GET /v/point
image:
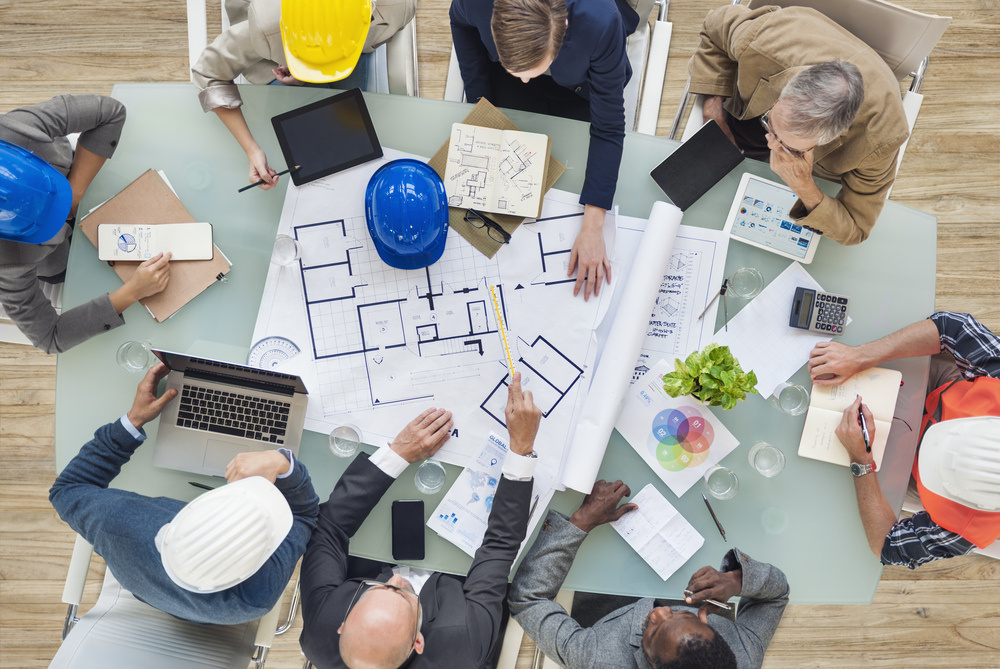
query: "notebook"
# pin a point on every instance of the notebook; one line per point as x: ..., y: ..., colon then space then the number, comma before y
x: 696, y: 165
x: 878, y: 388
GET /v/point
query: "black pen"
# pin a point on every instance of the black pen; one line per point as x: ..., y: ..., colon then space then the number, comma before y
x: 263, y: 181
x: 722, y: 292
x: 201, y: 485
x: 864, y: 429
x: 715, y: 518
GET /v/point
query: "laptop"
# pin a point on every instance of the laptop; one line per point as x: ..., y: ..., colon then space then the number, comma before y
x: 222, y: 409
x: 697, y: 165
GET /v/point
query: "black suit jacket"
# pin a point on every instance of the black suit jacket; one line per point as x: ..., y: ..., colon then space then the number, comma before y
x: 461, y: 615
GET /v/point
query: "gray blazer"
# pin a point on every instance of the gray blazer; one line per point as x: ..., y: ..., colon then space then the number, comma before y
x: 42, y: 129
x: 615, y: 641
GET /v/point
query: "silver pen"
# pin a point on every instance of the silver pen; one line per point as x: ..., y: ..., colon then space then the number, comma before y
x: 721, y: 605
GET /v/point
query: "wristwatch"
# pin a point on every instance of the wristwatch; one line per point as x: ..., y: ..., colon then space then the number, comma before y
x: 860, y: 470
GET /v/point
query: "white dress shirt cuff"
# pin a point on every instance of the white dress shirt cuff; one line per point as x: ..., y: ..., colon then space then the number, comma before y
x: 519, y: 467
x: 389, y: 461
x: 127, y: 424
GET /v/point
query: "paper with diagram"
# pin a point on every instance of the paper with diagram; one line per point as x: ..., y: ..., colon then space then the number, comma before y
x: 659, y: 533
x: 496, y: 171
x: 378, y: 345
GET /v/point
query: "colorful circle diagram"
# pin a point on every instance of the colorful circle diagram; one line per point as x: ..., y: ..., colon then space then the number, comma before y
x: 680, y: 438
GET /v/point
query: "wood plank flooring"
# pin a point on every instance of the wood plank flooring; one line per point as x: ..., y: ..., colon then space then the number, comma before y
x: 944, y: 614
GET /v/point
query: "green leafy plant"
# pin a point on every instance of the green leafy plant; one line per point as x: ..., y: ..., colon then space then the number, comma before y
x: 712, y: 375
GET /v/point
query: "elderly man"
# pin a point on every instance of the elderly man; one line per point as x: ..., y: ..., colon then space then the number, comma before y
x: 791, y: 86
x: 373, y: 616
x: 646, y: 633
x: 224, y: 558
x: 959, y: 440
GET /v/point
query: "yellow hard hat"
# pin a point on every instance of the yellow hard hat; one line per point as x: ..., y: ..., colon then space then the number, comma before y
x: 323, y: 38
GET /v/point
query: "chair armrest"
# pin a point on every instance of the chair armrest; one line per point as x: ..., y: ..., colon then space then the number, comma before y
x: 401, y: 59
x: 76, y: 577
x: 266, y: 626
x: 454, y: 89
x: 656, y: 68
x: 197, y: 30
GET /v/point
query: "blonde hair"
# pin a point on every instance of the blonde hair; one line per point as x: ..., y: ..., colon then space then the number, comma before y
x: 527, y: 32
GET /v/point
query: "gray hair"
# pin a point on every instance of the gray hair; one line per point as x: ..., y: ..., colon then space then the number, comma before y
x: 822, y: 101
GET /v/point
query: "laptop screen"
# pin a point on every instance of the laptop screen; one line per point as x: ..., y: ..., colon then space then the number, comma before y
x: 233, y: 374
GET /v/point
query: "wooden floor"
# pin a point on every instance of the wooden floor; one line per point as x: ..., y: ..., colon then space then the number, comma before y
x: 945, y: 614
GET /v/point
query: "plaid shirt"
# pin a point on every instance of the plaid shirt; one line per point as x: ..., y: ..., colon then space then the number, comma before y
x: 914, y: 541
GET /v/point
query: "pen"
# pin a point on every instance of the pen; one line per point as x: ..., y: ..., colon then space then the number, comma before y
x: 715, y: 518
x: 864, y: 429
x: 721, y: 605
x: 201, y: 485
x: 725, y: 311
x: 262, y: 181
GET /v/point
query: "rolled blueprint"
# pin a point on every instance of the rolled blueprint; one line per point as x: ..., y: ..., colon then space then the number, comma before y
x: 610, y: 384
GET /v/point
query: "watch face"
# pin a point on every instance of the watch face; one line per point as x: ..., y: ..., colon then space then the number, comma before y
x: 857, y: 469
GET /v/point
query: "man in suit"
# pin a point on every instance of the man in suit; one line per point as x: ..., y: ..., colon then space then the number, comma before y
x: 646, y: 633
x: 793, y: 87
x: 363, y: 614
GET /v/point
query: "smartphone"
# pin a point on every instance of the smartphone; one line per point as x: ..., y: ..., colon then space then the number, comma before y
x: 408, y: 529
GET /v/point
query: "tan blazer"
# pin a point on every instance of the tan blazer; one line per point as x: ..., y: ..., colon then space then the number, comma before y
x: 749, y: 56
x: 252, y: 46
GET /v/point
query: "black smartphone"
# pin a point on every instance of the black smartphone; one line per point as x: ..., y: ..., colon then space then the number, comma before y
x: 408, y: 529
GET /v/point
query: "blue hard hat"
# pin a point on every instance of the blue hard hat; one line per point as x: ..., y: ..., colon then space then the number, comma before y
x: 35, y: 198
x: 407, y: 214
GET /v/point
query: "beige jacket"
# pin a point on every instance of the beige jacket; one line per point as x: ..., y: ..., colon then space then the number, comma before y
x: 252, y: 46
x: 749, y: 56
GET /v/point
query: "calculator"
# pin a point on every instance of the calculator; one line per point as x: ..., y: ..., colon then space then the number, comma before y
x: 818, y: 311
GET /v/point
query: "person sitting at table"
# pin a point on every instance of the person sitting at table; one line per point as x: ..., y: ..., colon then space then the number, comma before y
x: 368, y: 614
x: 223, y: 558
x: 290, y: 42
x: 647, y: 633
x: 793, y: 87
x: 565, y: 58
x: 44, y: 180
x: 962, y: 506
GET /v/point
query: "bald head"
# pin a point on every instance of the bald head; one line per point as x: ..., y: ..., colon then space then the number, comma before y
x: 379, y: 631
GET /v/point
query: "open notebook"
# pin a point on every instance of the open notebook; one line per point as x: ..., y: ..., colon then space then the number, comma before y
x: 878, y: 388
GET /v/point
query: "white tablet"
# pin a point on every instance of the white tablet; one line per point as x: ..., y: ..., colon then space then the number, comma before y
x: 759, y: 217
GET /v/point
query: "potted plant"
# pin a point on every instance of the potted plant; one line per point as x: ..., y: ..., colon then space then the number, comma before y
x: 711, y: 375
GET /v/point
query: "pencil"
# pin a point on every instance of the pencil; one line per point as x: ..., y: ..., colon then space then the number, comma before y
x: 262, y: 181
x: 503, y: 333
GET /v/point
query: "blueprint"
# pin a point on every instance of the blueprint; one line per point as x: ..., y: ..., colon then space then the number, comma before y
x: 497, y: 171
x: 379, y: 345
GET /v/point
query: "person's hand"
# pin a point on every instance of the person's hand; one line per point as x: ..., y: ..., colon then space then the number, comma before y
x: 151, y: 276
x: 601, y: 505
x: 831, y: 363
x: 849, y: 433
x: 259, y: 169
x: 710, y: 583
x: 589, y: 257
x: 522, y: 417
x: 795, y: 172
x: 269, y: 464
x: 424, y: 435
x: 711, y: 109
x: 146, y: 406
x: 284, y: 76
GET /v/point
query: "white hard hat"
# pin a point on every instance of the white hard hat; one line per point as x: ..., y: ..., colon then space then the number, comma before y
x: 221, y: 538
x: 960, y: 460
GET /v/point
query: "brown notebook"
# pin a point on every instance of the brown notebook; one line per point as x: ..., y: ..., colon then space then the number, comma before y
x: 486, y: 115
x: 149, y: 201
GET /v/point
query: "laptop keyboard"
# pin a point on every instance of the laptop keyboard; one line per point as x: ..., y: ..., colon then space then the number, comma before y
x: 234, y: 414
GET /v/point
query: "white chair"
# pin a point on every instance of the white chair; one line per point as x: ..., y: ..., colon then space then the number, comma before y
x: 394, y: 64
x: 121, y: 631
x: 647, y: 51
x: 902, y: 37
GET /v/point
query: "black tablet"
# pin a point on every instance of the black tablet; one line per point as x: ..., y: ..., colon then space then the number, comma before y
x: 327, y: 136
x: 697, y: 165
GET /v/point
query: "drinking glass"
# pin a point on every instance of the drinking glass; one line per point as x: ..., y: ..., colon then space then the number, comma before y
x: 791, y: 398
x: 767, y: 460
x: 286, y: 250
x: 746, y: 282
x: 721, y: 482
x: 134, y: 356
x: 345, y: 441
x: 430, y: 476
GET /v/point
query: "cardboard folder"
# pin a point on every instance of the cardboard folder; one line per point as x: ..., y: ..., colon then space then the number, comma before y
x: 149, y: 201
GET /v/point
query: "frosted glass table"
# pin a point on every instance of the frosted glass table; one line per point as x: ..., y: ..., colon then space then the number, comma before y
x: 804, y: 521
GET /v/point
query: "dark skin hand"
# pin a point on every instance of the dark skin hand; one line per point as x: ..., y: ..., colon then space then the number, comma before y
x: 710, y: 583
x: 601, y: 505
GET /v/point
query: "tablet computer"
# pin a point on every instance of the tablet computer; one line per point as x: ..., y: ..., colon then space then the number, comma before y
x: 759, y: 217
x: 697, y: 165
x: 327, y: 136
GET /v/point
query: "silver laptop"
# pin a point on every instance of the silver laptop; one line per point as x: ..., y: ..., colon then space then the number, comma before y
x: 222, y: 409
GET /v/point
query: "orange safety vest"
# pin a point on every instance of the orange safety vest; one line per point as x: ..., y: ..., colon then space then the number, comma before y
x: 963, y: 398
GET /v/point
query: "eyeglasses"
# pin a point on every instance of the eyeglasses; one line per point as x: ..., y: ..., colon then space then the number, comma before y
x: 765, y: 120
x: 365, y: 586
x: 493, y: 229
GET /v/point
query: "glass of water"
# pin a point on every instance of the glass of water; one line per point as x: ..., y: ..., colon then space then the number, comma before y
x: 430, y: 476
x: 767, y: 460
x: 345, y: 440
x: 722, y: 482
x: 746, y: 282
x: 286, y: 250
x: 791, y: 398
x: 135, y: 356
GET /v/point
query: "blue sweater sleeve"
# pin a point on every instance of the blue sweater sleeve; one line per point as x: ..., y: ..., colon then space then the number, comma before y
x: 473, y: 55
